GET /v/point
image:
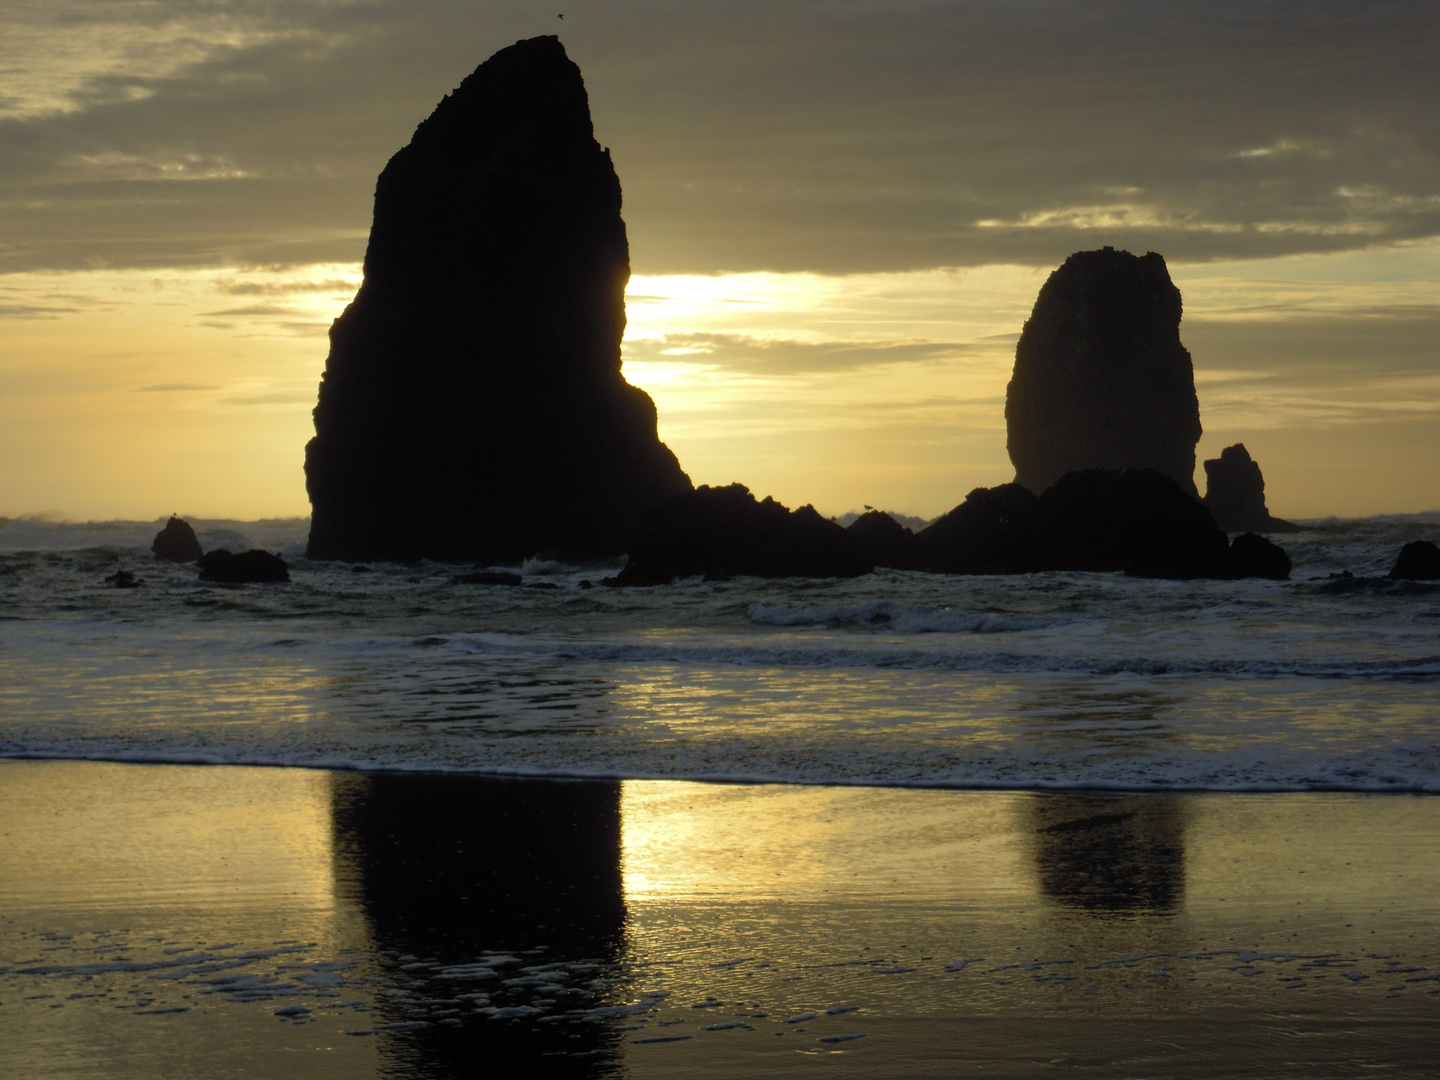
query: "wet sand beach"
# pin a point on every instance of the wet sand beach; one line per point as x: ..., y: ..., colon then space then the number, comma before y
x: 222, y: 921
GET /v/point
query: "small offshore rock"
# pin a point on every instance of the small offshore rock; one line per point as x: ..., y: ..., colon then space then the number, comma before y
x: 1419, y: 560
x: 1251, y: 555
x: 487, y: 577
x: 541, y: 585
x: 124, y: 579
x: 246, y: 568
x: 177, y: 542
x: 1235, y: 494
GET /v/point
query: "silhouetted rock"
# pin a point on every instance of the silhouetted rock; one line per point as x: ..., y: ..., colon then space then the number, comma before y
x: 176, y: 542
x: 723, y: 532
x: 884, y: 541
x: 1251, y: 555
x: 472, y: 407
x: 1235, y: 494
x: 124, y: 579
x: 991, y: 532
x: 1135, y: 520
x: 1419, y: 560
x: 249, y: 566
x: 1101, y: 379
x: 487, y: 577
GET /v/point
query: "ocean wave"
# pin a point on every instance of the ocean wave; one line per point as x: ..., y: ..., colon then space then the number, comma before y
x: 1392, y: 770
x: 903, y: 618
x: 808, y: 654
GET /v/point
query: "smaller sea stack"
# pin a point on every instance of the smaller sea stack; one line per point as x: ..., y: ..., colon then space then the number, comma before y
x: 1235, y: 494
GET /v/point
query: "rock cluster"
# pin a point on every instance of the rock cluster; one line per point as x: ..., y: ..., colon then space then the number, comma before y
x: 473, y: 407
x: 1101, y: 379
x: 1132, y: 520
x: 1135, y: 520
x: 722, y: 532
x: 177, y: 542
x: 1235, y: 494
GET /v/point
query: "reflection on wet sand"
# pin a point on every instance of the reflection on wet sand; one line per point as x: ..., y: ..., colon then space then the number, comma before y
x: 1110, y: 853
x: 181, y: 921
x: 458, y: 875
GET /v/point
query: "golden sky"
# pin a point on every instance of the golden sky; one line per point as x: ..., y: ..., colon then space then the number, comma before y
x: 839, y: 218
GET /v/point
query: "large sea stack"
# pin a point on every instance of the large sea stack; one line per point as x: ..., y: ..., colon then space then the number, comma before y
x: 472, y: 406
x: 1235, y: 494
x: 1101, y: 379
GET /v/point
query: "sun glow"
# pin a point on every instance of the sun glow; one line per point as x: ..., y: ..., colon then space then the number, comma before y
x: 137, y: 393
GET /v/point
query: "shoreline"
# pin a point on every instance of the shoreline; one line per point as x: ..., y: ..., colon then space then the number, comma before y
x: 482, y: 773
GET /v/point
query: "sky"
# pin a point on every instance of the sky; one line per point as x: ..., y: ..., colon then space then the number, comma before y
x: 839, y: 214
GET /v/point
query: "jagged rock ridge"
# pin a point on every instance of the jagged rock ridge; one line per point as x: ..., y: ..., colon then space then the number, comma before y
x: 1101, y: 380
x: 724, y: 532
x: 1235, y: 494
x: 473, y: 406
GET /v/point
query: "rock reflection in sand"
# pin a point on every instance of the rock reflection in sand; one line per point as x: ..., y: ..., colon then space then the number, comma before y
x: 1108, y: 853
x: 163, y: 920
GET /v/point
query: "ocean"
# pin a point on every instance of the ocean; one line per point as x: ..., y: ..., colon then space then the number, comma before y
x: 374, y: 823
x: 1047, y: 681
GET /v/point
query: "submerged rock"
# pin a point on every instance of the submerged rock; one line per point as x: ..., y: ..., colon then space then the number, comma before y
x: 1418, y: 560
x: 884, y: 541
x: 991, y: 532
x: 487, y: 577
x: 473, y: 407
x: 177, y: 542
x: 249, y: 566
x: 124, y: 579
x: 1235, y: 494
x: 723, y: 532
x: 1101, y: 380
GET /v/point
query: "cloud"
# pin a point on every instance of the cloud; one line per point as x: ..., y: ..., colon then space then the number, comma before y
x: 254, y: 309
x: 767, y: 356
x: 288, y: 288
x: 835, y: 137
x: 33, y: 311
